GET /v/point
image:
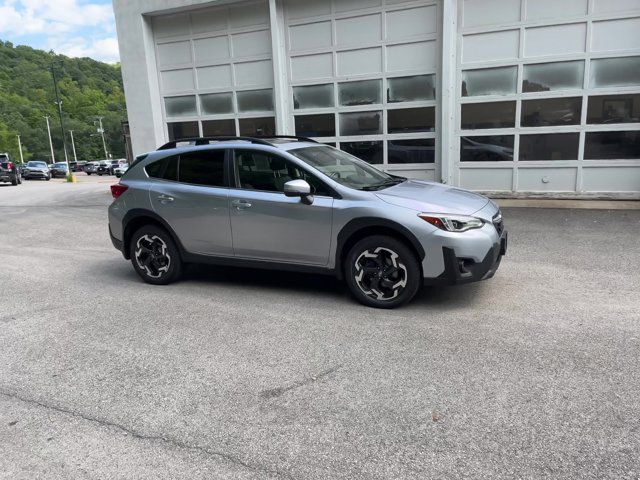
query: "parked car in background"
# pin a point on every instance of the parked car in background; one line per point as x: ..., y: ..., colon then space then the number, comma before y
x: 294, y: 204
x: 104, y: 167
x: 77, y: 166
x: 91, y: 167
x: 59, y: 170
x: 36, y: 169
x: 9, y: 171
x: 120, y: 169
x: 115, y: 164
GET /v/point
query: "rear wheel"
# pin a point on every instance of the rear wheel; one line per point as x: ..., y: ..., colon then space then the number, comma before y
x: 155, y: 256
x: 382, y: 272
x: 14, y: 180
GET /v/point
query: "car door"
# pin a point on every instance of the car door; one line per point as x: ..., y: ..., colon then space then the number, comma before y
x: 192, y: 196
x: 268, y: 225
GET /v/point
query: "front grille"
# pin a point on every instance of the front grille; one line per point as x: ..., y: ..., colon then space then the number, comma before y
x: 497, y: 222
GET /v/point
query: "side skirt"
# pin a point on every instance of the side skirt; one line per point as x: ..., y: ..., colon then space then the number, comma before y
x: 258, y: 264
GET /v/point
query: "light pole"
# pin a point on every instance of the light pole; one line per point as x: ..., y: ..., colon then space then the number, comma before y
x: 101, y: 132
x: 53, y: 157
x: 73, y: 146
x: 20, y: 148
x: 64, y: 140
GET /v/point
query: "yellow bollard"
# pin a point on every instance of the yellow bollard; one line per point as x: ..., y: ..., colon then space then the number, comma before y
x: 71, y: 178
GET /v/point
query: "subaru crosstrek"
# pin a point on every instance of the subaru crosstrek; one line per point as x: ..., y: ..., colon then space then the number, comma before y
x: 289, y: 203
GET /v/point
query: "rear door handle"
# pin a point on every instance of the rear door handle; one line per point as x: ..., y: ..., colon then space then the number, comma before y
x: 164, y: 199
x: 240, y: 204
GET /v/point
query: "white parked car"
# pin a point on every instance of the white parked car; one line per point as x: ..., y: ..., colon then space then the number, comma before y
x: 120, y: 169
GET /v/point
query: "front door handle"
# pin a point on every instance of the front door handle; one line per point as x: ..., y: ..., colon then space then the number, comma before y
x: 164, y: 199
x: 240, y: 204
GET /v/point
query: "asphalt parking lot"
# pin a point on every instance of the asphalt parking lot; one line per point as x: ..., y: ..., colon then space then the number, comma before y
x: 248, y: 374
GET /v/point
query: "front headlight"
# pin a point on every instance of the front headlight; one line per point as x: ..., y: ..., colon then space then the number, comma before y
x: 452, y: 223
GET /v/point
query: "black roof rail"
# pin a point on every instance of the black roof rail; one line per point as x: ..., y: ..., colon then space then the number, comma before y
x: 300, y: 139
x: 208, y: 140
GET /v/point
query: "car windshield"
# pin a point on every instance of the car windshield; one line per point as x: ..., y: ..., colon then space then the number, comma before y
x: 36, y: 164
x: 345, y: 169
x: 58, y: 165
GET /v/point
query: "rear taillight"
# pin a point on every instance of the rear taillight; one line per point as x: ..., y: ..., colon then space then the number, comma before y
x: 118, y: 189
x: 10, y: 166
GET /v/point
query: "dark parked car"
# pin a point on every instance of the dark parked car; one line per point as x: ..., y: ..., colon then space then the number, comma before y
x: 36, y: 169
x: 104, y: 168
x: 8, y: 170
x: 59, y: 170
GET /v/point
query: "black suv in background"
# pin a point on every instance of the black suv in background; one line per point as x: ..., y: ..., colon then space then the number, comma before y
x: 9, y: 170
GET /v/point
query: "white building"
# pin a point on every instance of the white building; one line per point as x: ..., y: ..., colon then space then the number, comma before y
x: 513, y: 97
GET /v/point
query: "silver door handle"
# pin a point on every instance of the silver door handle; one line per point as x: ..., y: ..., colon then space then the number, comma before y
x: 241, y: 204
x: 165, y: 199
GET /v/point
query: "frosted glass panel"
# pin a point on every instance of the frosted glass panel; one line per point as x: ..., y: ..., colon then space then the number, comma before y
x: 313, y: 96
x: 366, y: 92
x: 489, y: 81
x: 411, y: 89
x: 255, y: 100
x: 615, y: 72
x: 180, y: 106
x: 543, y: 77
x: 216, y: 103
x: 361, y: 123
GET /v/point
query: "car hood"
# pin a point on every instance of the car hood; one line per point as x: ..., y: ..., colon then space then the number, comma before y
x: 430, y: 197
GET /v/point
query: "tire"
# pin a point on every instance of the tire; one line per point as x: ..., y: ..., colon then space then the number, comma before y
x: 47, y: 178
x: 14, y: 181
x: 154, y: 255
x: 89, y: 173
x: 382, y: 272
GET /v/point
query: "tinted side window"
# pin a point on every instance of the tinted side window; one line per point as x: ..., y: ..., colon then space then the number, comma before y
x: 154, y: 170
x: 265, y: 172
x: 204, y: 167
x: 166, y: 169
x: 171, y: 169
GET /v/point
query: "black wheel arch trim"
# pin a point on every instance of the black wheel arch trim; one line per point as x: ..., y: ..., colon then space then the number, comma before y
x: 138, y: 213
x: 357, y: 224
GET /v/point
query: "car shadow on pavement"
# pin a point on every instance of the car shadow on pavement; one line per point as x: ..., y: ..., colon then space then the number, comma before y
x: 440, y: 298
x: 275, y: 279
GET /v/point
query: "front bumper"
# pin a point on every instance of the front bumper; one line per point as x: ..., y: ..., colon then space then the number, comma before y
x: 36, y: 174
x: 459, y: 270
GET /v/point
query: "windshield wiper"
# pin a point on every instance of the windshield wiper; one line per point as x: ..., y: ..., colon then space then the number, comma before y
x: 387, y: 183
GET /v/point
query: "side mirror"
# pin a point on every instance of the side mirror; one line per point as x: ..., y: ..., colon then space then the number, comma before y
x: 299, y: 188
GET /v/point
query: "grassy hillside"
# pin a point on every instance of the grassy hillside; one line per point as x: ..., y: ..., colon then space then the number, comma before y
x: 88, y: 89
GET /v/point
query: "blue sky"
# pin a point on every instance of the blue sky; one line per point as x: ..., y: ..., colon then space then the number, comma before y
x: 77, y: 28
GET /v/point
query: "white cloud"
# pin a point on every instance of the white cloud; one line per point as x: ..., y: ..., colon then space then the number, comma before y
x: 75, y: 28
x: 104, y: 49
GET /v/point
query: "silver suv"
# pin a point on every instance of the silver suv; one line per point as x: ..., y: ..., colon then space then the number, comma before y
x: 290, y: 203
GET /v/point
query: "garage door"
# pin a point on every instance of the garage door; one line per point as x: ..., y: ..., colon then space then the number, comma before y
x: 549, y: 96
x: 215, y: 71
x: 363, y: 76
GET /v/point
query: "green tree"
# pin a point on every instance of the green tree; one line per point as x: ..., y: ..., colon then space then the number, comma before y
x: 88, y: 89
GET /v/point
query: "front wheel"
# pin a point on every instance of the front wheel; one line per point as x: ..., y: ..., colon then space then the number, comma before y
x: 382, y: 272
x: 155, y: 256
